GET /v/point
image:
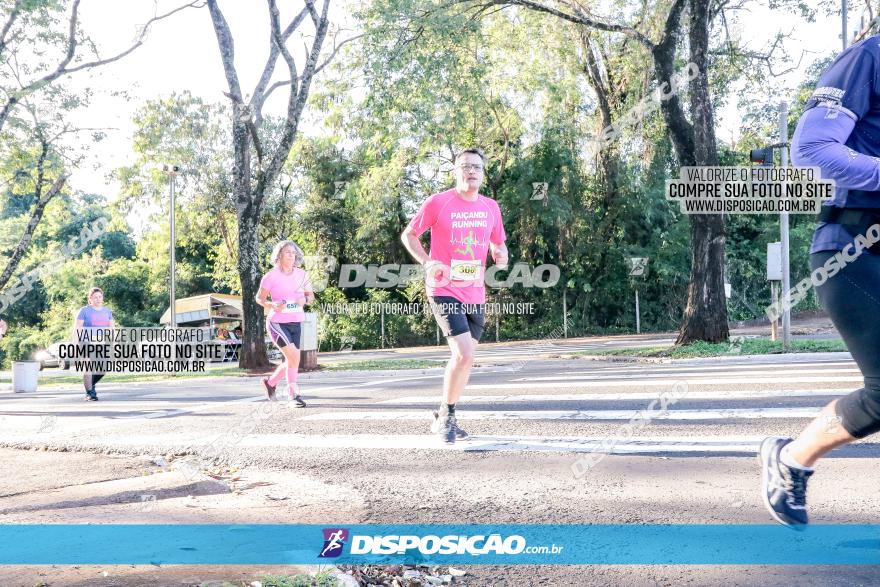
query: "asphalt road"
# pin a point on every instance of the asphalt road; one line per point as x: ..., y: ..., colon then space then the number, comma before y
x: 361, y: 453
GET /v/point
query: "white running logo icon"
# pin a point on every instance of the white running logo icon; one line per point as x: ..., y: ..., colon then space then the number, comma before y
x: 335, y: 541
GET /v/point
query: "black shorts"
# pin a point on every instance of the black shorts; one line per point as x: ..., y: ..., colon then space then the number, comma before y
x: 455, y: 317
x: 284, y: 333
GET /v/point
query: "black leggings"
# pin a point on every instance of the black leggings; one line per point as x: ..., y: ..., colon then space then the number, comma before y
x: 91, y: 379
x: 852, y: 299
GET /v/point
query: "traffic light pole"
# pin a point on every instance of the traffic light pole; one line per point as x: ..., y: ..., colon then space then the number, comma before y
x: 783, y: 229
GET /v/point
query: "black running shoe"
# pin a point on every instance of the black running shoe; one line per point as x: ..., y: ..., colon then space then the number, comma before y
x: 459, y: 433
x: 298, y: 401
x: 444, y: 427
x: 783, y: 488
x: 270, y: 389
x: 91, y: 396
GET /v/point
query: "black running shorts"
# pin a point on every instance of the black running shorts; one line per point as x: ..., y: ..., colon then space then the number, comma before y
x: 454, y: 317
x: 284, y: 333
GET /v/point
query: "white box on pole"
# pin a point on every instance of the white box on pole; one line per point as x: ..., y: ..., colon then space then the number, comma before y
x: 774, y: 261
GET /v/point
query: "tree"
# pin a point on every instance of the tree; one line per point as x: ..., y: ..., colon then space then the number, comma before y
x: 29, y: 36
x: 46, y: 182
x: 258, y: 158
x: 186, y: 131
x: 705, y: 315
x: 28, y: 25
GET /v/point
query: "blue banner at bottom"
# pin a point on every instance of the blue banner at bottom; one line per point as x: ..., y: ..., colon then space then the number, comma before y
x: 458, y: 544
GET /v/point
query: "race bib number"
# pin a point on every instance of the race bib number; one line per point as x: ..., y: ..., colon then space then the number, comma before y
x: 465, y: 270
x: 291, y: 307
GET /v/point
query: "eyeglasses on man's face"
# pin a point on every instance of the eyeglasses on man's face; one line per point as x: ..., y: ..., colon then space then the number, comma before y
x: 470, y: 167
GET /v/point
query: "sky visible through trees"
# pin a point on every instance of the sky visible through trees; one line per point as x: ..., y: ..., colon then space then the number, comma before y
x: 393, y: 89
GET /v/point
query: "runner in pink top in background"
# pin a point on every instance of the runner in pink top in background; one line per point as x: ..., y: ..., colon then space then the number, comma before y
x: 465, y: 226
x: 289, y: 288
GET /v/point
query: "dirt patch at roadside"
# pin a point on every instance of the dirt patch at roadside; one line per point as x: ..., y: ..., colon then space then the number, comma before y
x: 82, y: 488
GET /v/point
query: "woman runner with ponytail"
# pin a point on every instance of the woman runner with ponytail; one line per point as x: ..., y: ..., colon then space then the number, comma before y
x: 289, y: 288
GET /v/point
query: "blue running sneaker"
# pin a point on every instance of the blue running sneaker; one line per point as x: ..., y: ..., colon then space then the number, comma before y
x: 444, y: 427
x: 783, y: 488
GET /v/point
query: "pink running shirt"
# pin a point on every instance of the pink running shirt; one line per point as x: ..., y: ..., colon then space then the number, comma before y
x: 461, y: 231
x: 290, y: 288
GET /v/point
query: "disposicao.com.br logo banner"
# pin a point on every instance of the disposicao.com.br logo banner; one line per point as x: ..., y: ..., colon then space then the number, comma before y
x: 460, y: 544
x: 434, y: 543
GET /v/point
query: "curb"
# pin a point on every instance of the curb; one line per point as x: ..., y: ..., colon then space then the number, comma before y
x: 768, y: 358
x: 422, y: 371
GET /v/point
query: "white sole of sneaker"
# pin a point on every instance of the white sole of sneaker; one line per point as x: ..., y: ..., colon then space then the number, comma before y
x: 435, y: 425
x: 764, y: 459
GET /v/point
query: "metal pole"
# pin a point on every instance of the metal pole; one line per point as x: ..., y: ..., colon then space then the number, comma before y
x: 382, y: 319
x: 638, y: 319
x: 564, y: 314
x: 173, y: 259
x: 783, y: 229
x: 774, y: 297
x: 843, y: 17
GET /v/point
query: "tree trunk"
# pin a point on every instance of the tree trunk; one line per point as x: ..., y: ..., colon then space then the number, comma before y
x: 252, y: 182
x: 705, y: 315
x: 249, y: 206
x: 608, y: 154
x: 705, y: 312
x: 253, y: 346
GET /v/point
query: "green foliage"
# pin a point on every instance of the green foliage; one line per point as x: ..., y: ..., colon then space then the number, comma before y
x: 20, y: 344
x: 323, y: 579
x: 383, y: 364
x: 735, y: 347
x: 386, y: 122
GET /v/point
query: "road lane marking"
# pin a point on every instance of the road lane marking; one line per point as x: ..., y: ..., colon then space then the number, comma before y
x: 666, y: 381
x: 655, y: 414
x: 482, y: 443
x: 727, y: 394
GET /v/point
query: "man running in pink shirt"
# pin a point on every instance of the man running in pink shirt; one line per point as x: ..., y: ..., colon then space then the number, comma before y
x: 464, y: 227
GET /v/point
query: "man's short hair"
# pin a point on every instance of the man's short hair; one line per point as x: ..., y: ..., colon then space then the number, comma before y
x: 94, y: 289
x: 473, y: 151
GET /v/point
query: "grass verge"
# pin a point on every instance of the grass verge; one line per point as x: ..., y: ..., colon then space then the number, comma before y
x: 322, y: 579
x: 748, y: 346
x: 381, y: 364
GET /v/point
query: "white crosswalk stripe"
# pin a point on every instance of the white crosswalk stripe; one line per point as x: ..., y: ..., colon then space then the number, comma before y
x: 828, y: 368
x: 727, y: 394
x: 704, y: 414
x: 752, y: 396
x: 666, y: 381
x: 563, y: 444
x: 603, y: 376
x: 742, y: 385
